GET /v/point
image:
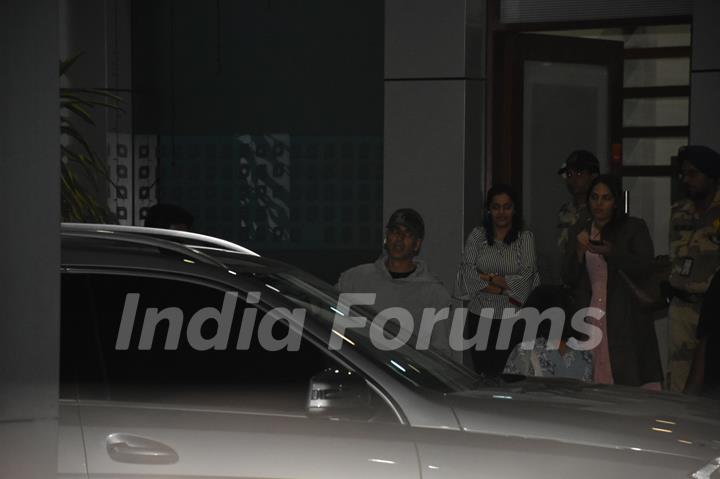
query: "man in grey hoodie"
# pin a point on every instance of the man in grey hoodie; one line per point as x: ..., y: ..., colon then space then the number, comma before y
x: 399, y: 279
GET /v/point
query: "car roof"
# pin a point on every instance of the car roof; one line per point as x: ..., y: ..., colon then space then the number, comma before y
x: 137, y: 247
x: 186, y: 238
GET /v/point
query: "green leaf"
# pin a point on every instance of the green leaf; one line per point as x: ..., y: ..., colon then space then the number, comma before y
x: 73, y: 133
x: 67, y: 63
x: 72, y: 98
x: 71, y: 155
x: 109, y: 106
x: 86, y: 165
x: 95, y: 91
x: 91, y: 165
x: 79, y: 111
x: 79, y: 203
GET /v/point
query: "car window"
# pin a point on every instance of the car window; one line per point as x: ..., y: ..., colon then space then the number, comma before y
x: 74, y: 306
x: 427, y: 369
x: 163, y: 371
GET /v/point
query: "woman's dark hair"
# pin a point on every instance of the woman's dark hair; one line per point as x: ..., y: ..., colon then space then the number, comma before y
x: 516, y: 219
x: 613, y: 184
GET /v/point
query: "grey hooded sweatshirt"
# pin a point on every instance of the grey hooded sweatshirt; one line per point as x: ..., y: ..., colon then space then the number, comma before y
x: 418, y: 291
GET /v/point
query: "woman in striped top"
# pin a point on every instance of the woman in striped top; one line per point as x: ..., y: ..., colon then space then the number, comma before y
x: 498, y: 270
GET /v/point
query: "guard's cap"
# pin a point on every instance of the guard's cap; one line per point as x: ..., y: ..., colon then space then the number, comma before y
x: 580, y: 160
x: 703, y: 158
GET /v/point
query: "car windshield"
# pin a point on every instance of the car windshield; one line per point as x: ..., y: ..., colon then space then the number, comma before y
x: 426, y: 369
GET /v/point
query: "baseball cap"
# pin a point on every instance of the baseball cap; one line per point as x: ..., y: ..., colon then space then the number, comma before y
x: 580, y: 160
x: 410, y: 219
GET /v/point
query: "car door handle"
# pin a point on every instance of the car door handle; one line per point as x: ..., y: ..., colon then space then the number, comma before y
x: 139, y: 450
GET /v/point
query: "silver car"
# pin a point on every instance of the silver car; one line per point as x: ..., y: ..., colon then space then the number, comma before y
x: 182, y: 356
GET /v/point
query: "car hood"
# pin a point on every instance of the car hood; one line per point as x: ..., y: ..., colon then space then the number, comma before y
x: 591, y: 414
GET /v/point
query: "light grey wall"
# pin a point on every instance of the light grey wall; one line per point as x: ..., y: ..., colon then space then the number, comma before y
x: 434, y: 120
x: 434, y: 39
x: 705, y: 76
x: 705, y: 35
x: 100, y: 30
x: 425, y: 38
x: 29, y: 207
x: 425, y: 156
x: 705, y: 109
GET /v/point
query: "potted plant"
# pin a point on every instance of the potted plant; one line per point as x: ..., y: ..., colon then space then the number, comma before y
x: 78, y: 203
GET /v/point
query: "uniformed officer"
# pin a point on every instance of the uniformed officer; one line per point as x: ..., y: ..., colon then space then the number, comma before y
x: 694, y: 253
x: 579, y: 170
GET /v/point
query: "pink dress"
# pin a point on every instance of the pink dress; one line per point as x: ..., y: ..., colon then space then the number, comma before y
x: 597, y: 270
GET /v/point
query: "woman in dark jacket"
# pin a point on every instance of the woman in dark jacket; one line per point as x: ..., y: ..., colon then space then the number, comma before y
x: 607, y: 253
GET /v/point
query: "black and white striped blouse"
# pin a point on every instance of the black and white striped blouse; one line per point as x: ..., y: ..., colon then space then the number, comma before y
x: 516, y: 262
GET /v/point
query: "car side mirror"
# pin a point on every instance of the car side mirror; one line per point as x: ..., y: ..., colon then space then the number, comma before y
x: 337, y: 392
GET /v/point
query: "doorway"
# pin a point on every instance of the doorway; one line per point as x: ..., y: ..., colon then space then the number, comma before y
x: 555, y: 95
x: 652, y: 122
x: 648, y: 121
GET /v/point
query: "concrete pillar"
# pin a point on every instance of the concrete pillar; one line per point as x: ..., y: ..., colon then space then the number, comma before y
x: 29, y: 208
x: 434, y: 120
x: 705, y: 75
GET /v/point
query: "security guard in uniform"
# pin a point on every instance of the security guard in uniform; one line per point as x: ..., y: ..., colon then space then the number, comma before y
x: 578, y: 171
x: 694, y: 253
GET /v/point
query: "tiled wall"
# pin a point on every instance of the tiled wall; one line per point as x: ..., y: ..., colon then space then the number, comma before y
x: 277, y: 191
x: 132, y: 163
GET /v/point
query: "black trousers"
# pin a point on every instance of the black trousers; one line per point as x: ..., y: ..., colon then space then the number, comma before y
x: 491, y: 361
